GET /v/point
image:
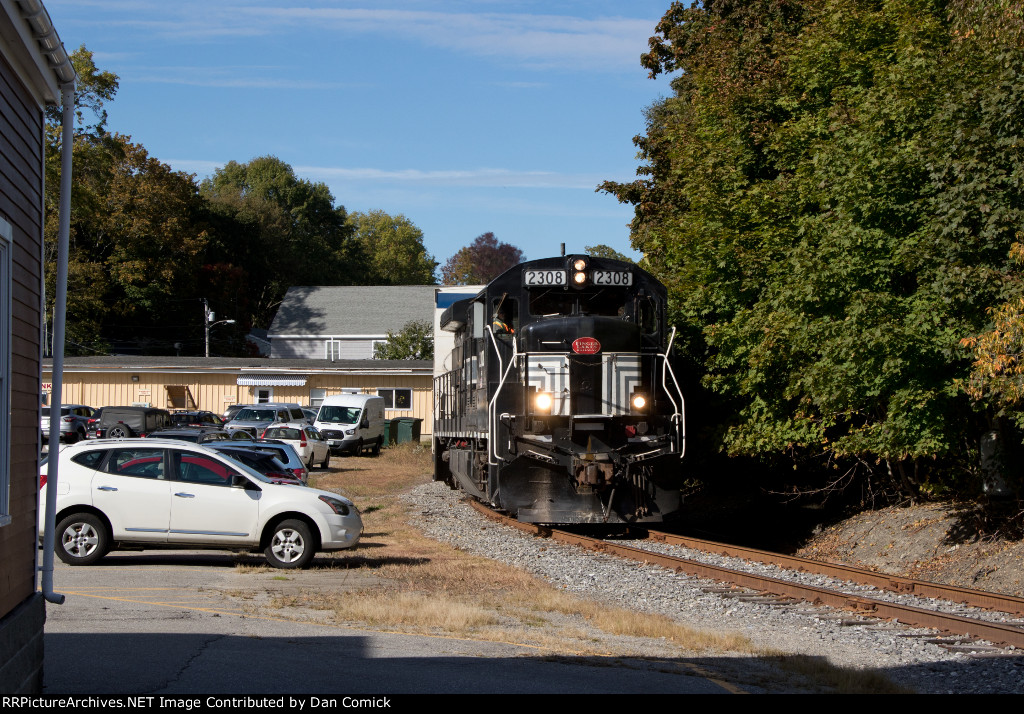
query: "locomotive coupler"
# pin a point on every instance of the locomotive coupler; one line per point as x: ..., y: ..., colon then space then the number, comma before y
x: 593, y: 470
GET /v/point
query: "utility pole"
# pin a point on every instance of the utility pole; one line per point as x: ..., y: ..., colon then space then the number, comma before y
x: 208, y: 322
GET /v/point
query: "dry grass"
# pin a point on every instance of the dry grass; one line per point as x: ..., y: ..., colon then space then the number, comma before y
x: 837, y: 679
x: 396, y: 470
x: 405, y: 581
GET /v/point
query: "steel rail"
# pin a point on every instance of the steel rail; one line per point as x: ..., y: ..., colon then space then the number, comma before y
x: 882, y: 581
x: 995, y: 632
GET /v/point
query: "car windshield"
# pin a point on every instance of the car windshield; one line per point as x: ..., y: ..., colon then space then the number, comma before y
x: 256, y: 415
x: 339, y: 415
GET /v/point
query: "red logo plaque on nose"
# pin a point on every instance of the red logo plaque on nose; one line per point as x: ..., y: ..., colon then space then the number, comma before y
x: 586, y: 346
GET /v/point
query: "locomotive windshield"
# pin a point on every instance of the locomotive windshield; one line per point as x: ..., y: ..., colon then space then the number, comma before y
x: 608, y: 302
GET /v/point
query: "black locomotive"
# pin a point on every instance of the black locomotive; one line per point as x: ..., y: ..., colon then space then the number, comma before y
x: 556, y: 401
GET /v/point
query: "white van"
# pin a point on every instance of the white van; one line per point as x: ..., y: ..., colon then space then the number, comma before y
x: 352, y: 422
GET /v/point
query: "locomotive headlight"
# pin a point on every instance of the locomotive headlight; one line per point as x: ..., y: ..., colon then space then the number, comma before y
x: 579, y: 278
x: 579, y: 265
x: 639, y: 401
x: 542, y: 402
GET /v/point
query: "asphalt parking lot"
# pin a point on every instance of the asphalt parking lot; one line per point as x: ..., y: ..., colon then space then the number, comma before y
x: 179, y: 622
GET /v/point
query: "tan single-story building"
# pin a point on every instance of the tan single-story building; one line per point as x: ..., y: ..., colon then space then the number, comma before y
x: 215, y: 383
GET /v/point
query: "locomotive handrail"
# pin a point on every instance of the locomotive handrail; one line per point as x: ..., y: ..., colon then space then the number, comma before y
x: 492, y: 416
x: 677, y: 415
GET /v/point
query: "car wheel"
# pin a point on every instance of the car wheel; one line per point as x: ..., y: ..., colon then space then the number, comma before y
x: 82, y: 539
x: 376, y: 447
x: 309, y: 464
x: 358, y: 451
x: 290, y: 546
x: 327, y: 460
x: 119, y: 431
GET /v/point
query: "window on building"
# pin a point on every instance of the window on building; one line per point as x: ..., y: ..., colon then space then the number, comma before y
x: 316, y: 396
x: 264, y: 395
x: 396, y: 398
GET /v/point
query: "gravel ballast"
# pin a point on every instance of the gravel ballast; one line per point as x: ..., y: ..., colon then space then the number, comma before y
x: 900, y: 653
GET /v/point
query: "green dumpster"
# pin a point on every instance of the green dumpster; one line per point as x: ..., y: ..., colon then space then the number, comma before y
x: 408, y: 430
x: 390, y: 429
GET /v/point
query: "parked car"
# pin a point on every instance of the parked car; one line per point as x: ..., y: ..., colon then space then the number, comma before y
x: 311, y: 447
x: 93, y: 423
x: 125, y: 422
x: 257, y: 417
x: 230, y: 412
x: 352, y: 422
x: 279, y: 450
x: 263, y: 462
x: 196, y: 418
x: 193, y: 434
x: 74, y: 422
x: 164, y: 493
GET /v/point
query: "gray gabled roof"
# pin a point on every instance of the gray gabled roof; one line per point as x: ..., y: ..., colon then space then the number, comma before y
x: 233, y: 365
x: 352, y: 309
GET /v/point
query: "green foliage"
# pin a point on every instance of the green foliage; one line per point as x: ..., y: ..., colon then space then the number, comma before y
x: 282, y: 230
x: 147, y: 245
x: 414, y: 341
x: 394, y: 248
x: 603, y: 251
x: 830, y: 195
x: 93, y: 89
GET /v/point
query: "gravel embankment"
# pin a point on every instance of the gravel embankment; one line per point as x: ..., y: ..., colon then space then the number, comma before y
x: 804, y: 629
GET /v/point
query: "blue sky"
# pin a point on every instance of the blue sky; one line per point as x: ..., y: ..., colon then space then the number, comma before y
x: 466, y: 117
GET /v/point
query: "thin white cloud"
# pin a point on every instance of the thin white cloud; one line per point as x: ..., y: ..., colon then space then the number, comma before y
x: 492, y: 178
x: 229, y: 77
x: 475, y: 178
x: 528, y: 39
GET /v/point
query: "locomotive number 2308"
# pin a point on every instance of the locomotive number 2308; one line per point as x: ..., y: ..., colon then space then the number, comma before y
x: 613, y: 277
x: 544, y: 277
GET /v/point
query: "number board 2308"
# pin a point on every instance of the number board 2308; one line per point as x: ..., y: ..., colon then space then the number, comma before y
x: 545, y: 277
x: 613, y: 277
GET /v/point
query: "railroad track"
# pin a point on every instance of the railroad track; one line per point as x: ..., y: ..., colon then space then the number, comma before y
x: 961, y: 631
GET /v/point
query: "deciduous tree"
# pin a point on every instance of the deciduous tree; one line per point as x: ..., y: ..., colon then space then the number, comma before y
x: 480, y: 262
x: 414, y: 341
x: 830, y: 194
x: 394, y: 249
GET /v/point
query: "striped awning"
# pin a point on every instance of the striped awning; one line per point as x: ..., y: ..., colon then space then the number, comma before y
x: 272, y: 380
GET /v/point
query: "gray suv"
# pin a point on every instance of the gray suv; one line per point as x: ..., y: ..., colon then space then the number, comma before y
x: 254, y: 418
x: 74, y: 422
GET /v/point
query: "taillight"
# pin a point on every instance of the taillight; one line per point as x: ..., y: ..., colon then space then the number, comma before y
x: 42, y: 481
x: 67, y: 419
x: 303, y: 442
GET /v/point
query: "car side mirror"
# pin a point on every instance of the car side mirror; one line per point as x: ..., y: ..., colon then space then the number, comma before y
x: 240, y: 481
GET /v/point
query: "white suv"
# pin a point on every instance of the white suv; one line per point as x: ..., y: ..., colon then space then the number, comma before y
x: 164, y: 493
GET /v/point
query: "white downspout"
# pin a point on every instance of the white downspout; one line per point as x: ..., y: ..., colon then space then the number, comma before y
x: 59, y: 309
x: 38, y: 20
